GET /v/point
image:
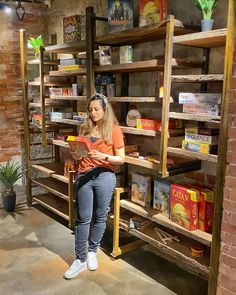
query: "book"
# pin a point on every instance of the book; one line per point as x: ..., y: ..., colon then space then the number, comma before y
x: 184, y: 206
x: 203, y: 108
x: 120, y: 15
x: 161, y: 197
x: 105, y: 55
x: 203, y: 148
x: 188, y: 97
x: 152, y: 11
x: 126, y: 54
x: 141, y: 189
x: 80, y: 145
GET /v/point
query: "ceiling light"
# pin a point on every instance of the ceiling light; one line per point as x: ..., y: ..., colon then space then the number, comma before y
x: 20, y: 11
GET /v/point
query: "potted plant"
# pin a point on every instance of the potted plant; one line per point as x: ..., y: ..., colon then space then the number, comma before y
x: 9, y: 174
x: 206, y: 7
x: 35, y: 43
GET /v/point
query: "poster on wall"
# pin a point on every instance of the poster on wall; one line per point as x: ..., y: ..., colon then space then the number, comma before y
x: 152, y: 11
x: 74, y: 28
x: 120, y: 15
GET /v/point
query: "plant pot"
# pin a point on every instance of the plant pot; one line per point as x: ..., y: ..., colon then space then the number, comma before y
x: 9, y: 202
x: 207, y: 24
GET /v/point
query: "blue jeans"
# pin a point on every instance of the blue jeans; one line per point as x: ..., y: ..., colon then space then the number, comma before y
x: 94, y: 191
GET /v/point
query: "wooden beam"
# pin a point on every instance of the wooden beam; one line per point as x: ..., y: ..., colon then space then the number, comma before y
x: 222, y: 149
x: 26, y: 116
x: 166, y: 95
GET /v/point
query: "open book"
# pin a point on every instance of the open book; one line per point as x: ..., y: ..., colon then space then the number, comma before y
x: 80, y: 145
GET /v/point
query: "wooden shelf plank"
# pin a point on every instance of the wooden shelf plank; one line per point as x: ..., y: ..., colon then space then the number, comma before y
x: 53, y: 186
x: 209, y: 39
x: 54, y: 204
x: 67, y: 48
x: 79, y: 72
x: 195, y: 117
x: 67, y: 97
x: 197, y: 78
x: 132, y: 130
x: 48, y: 103
x: 55, y: 170
x: 66, y: 121
x: 36, y: 83
x: 142, y: 163
x: 149, y: 213
x: 194, y: 155
x: 179, y: 252
x: 46, y: 62
x: 146, y: 34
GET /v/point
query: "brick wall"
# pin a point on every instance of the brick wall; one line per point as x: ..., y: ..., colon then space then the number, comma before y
x: 227, y: 268
x: 11, y: 112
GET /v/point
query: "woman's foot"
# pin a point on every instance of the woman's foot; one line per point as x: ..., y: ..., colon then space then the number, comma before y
x: 92, y: 262
x: 76, y: 268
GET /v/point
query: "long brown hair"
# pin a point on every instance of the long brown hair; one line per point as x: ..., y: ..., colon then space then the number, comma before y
x: 107, y: 122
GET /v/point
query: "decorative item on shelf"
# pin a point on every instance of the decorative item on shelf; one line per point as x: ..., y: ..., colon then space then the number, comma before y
x: 126, y: 54
x: 206, y: 7
x: 9, y: 174
x: 151, y: 12
x: 131, y: 118
x: 105, y: 55
x: 197, y: 251
x: 35, y: 43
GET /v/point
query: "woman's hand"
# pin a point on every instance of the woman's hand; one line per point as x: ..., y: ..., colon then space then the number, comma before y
x: 97, y: 155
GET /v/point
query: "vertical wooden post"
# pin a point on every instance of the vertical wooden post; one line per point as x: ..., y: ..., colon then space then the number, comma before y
x: 166, y: 95
x: 26, y: 115
x: 71, y: 199
x: 90, y: 36
x: 222, y: 149
x: 116, y: 249
x: 42, y: 95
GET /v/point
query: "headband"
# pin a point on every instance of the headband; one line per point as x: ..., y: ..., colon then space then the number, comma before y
x: 102, y: 97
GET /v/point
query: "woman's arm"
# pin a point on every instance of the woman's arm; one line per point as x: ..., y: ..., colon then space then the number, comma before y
x: 117, y: 159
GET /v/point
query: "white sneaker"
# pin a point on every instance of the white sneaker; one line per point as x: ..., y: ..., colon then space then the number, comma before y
x: 92, y: 262
x: 76, y: 268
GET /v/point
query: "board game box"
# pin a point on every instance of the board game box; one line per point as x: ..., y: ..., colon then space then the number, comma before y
x: 120, y: 15
x: 80, y: 145
x: 161, y: 197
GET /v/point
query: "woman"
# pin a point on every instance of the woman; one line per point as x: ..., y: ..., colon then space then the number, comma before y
x: 95, y: 182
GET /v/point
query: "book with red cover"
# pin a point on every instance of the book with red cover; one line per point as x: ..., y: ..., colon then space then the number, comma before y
x: 80, y: 145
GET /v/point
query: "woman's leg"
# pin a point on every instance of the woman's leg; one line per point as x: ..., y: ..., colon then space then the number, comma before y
x: 103, y: 186
x: 84, y: 204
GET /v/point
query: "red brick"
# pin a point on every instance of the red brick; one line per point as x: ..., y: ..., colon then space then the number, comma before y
x: 232, y: 170
x: 231, y: 157
x: 227, y: 271
x: 230, y: 181
x: 232, y: 194
x: 228, y: 249
x: 228, y: 228
x: 228, y: 238
x: 233, y: 83
x: 232, y: 130
x: 232, y: 120
x: 231, y: 145
x: 227, y: 283
x: 232, y: 95
x: 222, y: 291
x: 232, y: 107
x: 229, y: 205
x: 226, y: 193
x: 230, y: 217
x: 228, y: 260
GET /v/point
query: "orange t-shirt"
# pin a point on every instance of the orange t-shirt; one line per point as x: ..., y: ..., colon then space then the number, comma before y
x: 87, y: 163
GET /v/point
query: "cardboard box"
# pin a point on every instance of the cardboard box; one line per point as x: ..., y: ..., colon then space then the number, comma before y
x: 195, y: 98
x: 141, y: 189
x: 211, y: 109
x: 161, y: 197
x: 184, y: 206
x: 126, y: 54
x: 199, y: 138
x: 204, y: 148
